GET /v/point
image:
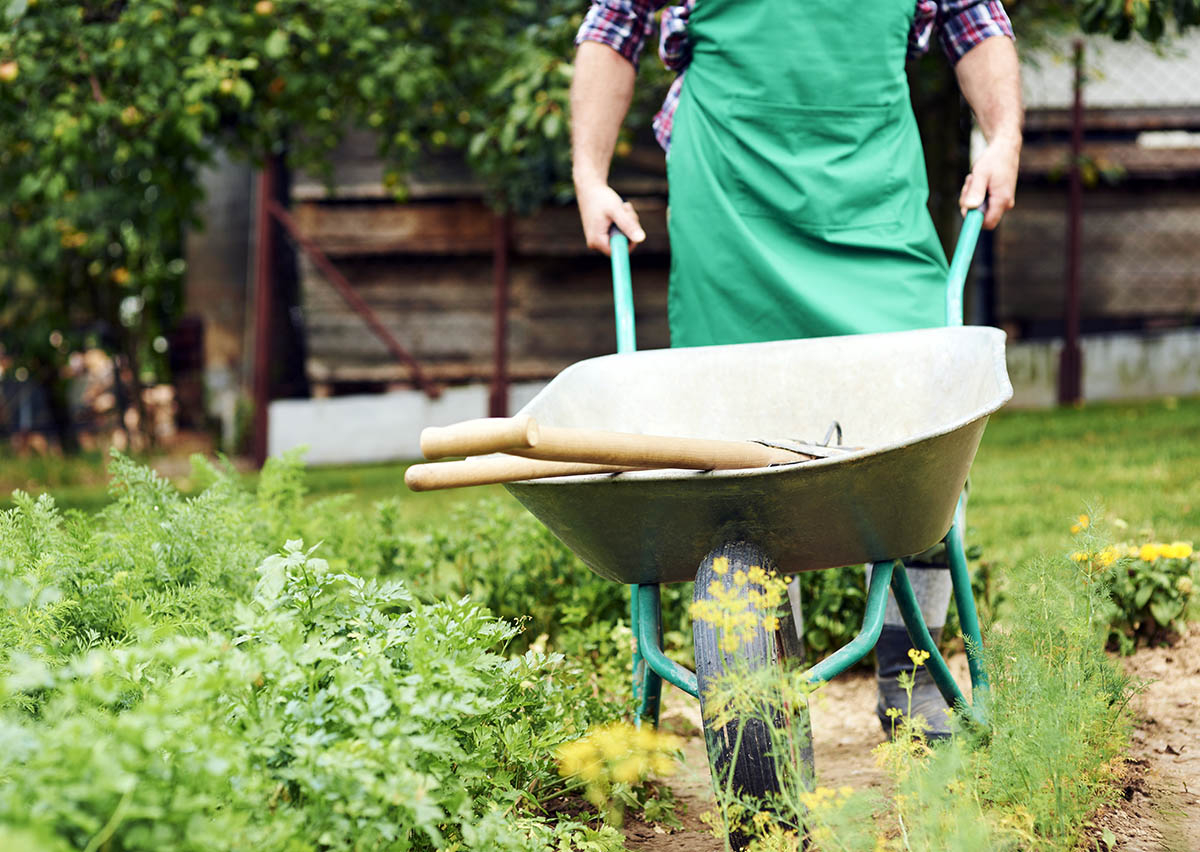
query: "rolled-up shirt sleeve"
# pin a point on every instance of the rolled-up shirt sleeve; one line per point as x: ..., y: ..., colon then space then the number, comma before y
x: 623, y: 25
x: 962, y: 24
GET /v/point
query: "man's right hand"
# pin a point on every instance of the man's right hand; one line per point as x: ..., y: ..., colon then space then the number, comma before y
x: 601, y: 90
x: 601, y: 207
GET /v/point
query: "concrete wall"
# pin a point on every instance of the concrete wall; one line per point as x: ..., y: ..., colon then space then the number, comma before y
x: 1115, y: 367
x: 349, y: 429
x: 376, y: 427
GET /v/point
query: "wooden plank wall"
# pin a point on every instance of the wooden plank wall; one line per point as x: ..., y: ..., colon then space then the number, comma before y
x: 426, y: 269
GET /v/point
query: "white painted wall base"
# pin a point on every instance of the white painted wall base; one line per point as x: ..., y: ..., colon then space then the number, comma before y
x: 1123, y: 366
x: 376, y: 427
x: 386, y: 427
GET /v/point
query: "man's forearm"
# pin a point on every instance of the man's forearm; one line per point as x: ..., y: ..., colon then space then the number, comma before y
x: 601, y: 91
x: 990, y: 79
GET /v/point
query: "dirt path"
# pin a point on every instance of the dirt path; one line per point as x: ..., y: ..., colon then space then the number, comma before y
x: 844, y: 732
x: 1161, y: 808
x: 1160, y: 811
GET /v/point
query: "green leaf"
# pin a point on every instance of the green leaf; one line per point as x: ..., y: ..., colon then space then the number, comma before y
x: 200, y: 43
x: 1165, y: 611
x: 276, y: 46
x: 16, y: 9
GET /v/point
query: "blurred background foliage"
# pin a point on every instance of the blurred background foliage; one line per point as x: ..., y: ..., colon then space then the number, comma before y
x: 110, y: 108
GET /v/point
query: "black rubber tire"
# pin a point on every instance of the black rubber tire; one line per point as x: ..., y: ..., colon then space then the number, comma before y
x: 753, y: 767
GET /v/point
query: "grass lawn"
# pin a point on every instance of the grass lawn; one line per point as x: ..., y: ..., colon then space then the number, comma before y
x: 1036, y: 471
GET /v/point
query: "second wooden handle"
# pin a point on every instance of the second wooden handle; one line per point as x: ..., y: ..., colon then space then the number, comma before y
x: 495, y: 469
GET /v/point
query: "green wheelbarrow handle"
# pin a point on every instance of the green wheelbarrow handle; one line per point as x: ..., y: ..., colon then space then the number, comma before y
x: 622, y: 290
x: 960, y: 263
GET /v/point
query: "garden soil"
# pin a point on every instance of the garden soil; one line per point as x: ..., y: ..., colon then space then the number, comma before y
x: 1159, y: 810
x: 1160, y: 807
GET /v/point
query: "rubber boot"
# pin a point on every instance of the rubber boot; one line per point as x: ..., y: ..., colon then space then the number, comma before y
x: 930, y: 578
x: 891, y: 658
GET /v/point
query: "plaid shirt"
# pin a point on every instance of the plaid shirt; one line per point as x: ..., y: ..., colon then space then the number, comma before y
x: 624, y: 25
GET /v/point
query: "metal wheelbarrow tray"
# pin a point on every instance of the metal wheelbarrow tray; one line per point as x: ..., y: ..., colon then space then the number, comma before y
x: 915, y: 402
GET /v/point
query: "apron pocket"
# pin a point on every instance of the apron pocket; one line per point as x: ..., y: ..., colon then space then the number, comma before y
x: 819, y: 168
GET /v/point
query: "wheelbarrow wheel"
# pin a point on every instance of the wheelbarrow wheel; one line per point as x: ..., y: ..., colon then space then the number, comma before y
x: 756, y: 752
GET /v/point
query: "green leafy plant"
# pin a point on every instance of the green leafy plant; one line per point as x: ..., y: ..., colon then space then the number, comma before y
x: 1151, y: 586
x: 171, y: 681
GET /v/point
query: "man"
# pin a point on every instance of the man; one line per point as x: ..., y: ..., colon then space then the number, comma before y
x: 797, y: 180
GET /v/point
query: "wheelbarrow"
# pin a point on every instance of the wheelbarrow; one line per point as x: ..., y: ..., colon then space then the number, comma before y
x: 910, y: 406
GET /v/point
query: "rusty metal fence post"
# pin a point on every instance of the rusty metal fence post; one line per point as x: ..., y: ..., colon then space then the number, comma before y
x: 1070, y: 364
x: 501, y: 247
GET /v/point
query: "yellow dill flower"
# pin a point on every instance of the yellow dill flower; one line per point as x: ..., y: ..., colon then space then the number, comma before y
x: 740, y: 577
x: 770, y: 623
x: 918, y: 657
x: 1177, y: 550
x: 1080, y: 556
x: 1082, y: 524
x: 629, y: 770
x: 1106, y: 557
x: 721, y: 565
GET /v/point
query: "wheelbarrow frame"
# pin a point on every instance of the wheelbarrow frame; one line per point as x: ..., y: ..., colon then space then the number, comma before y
x: 651, y: 666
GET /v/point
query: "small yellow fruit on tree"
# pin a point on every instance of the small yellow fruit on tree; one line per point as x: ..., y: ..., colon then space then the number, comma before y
x: 264, y: 7
x: 9, y: 71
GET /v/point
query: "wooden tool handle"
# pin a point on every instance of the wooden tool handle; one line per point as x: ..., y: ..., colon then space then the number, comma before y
x: 461, y: 474
x: 524, y: 437
x: 653, y: 451
x: 479, y: 437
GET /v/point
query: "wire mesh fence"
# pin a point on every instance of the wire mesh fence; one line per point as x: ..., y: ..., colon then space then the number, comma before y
x: 1140, y: 170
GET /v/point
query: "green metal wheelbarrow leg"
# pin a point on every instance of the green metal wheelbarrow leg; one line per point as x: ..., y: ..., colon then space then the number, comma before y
x: 964, y: 601
x: 918, y: 632
x: 858, y: 647
x: 649, y: 645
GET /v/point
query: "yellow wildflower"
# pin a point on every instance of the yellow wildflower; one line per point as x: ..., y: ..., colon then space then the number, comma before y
x: 721, y: 565
x: 1149, y: 552
x: 616, y: 753
x: 770, y: 623
x: 1082, y: 524
x: 1106, y: 557
x: 918, y: 657
x: 1177, y: 550
x: 740, y: 577
x: 1080, y: 556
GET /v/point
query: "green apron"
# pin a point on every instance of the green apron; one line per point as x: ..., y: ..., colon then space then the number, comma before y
x: 797, y: 180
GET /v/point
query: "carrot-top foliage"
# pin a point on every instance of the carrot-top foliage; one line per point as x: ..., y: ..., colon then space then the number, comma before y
x: 187, y: 674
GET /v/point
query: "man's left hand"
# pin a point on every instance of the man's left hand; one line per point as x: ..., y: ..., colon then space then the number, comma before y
x: 994, y: 177
x: 990, y: 78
